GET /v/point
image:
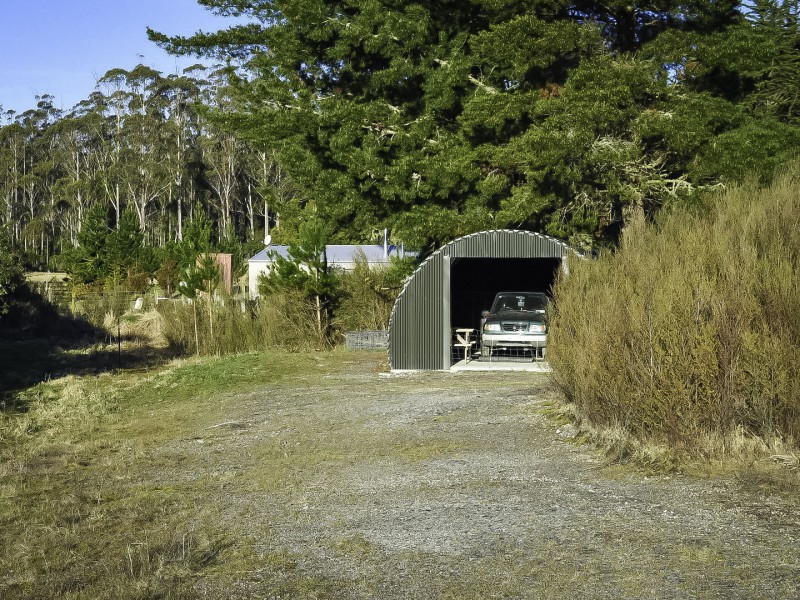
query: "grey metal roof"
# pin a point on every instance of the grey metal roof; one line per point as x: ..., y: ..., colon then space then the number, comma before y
x: 337, y: 253
x: 419, y: 328
x: 264, y: 257
x: 346, y: 253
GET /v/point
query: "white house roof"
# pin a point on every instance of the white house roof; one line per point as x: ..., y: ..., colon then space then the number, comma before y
x: 337, y: 253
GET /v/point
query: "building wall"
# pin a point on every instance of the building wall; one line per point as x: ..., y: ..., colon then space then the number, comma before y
x: 254, y: 269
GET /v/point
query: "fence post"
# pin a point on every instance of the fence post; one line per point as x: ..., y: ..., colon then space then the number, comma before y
x: 119, y: 346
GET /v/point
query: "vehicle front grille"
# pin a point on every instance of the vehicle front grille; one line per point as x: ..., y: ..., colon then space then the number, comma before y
x: 515, y: 326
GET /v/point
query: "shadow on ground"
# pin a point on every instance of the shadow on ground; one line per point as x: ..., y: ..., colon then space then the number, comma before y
x: 64, y: 345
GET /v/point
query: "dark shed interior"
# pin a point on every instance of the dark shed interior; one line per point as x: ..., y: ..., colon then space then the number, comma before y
x: 475, y: 281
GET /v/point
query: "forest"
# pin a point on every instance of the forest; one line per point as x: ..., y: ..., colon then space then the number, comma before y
x: 433, y: 119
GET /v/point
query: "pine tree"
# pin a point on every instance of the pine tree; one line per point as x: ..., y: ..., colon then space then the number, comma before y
x: 11, y: 275
x: 306, y: 271
x: 124, y: 247
x: 441, y: 118
x: 88, y: 262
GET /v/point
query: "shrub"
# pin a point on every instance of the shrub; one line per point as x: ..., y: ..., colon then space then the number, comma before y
x: 279, y: 320
x: 11, y: 277
x: 137, y: 279
x: 368, y: 294
x: 285, y: 316
x: 691, y: 330
x: 102, y: 305
x: 305, y: 269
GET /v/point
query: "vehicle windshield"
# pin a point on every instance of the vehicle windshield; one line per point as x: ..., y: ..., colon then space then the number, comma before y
x: 520, y: 301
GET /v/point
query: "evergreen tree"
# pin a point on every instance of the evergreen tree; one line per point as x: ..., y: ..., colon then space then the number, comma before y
x: 88, y: 262
x: 124, y: 246
x: 198, y: 269
x: 431, y: 118
x: 306, y: 270
x: 168, y: 273
x: 731, y: 109
x: 11, y: 275
x: 441, y: 118
x: 196, y: 240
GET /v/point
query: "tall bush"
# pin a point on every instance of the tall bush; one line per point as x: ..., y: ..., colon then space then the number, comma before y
x: 690, y: 332
x: 283, y: 320
x: 367, y: 293
x: 306, y: 270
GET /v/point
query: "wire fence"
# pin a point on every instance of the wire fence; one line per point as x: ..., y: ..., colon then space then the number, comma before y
x: 367, y: 340
x: 466, y: 346
x: 97, y: 306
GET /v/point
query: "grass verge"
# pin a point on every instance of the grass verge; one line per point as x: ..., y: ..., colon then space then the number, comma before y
x: 87, y: 507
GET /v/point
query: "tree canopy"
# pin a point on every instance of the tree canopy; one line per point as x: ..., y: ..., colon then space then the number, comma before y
x: 11, y: 274
x: 437, y: 118
x: 433, y: 119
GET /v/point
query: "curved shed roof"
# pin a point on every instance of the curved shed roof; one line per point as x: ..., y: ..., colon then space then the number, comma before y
x: 419, y: 328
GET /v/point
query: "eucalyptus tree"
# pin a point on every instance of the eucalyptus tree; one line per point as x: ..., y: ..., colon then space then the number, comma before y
x: 267, y: 185
x: 35, y: 183
x: 114, y: 104
x: 78, y: 151
x: 143, y: 133
x: 222, y: 154
x: 181, y: 93
x: 11, y: 152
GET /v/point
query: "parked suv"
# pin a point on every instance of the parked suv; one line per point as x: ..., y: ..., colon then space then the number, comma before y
x: 517, y: 320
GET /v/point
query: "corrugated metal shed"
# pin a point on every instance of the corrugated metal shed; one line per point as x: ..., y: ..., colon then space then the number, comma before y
x: 419, y: 328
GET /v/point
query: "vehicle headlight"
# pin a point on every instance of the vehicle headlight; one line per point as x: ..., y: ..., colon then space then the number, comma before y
x: 492, y: 327
x: 537, y: 328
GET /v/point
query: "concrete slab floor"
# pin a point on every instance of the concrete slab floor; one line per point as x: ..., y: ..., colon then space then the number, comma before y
x: 501, y: 365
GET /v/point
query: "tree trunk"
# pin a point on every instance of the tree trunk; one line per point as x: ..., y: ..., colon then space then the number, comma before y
x: 319, y: 316
x: 196, y: 335
x: 211, y: 321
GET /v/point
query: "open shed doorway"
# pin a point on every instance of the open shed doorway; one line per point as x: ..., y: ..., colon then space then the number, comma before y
x: 475, y: 281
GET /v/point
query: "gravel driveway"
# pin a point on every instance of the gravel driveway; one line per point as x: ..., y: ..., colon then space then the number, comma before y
x: 362, y: 484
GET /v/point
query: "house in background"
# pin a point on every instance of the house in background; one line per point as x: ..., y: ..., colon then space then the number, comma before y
x: 340, y: 256
x: 224, y: 263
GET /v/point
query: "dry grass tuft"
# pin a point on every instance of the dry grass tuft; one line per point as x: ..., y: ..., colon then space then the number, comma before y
x: 234, y: 326
x: 787, y: 460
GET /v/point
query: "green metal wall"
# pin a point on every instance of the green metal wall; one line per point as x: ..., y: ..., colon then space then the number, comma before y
x: 419, y: 329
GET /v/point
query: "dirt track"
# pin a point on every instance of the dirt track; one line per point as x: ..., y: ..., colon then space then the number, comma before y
x: 360, y: 484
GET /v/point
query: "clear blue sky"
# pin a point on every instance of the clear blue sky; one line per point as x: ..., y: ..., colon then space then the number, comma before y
x: 61, y: 47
